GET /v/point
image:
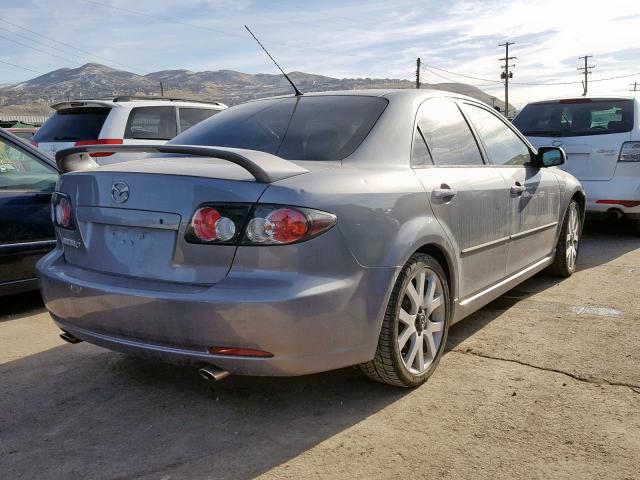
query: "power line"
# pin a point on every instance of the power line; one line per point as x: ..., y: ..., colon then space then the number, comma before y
x: 220, y: 32
x: 20, y: 66
x: 62, y: 43
x: 38, y: 49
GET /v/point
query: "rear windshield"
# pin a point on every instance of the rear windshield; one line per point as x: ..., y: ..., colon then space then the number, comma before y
x: 575, y: 118
x: 73, y: 124
x: 297, y: 128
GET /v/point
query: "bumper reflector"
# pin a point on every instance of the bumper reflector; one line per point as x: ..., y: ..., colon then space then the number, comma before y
x: 239, y: 352
x: 624, y: 203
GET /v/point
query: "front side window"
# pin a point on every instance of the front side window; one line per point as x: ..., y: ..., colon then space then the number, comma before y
x: 151, y: 123
x: 328, y: 127
x: 503, y: 146
x: 447, y: 134
x: 21, y: 171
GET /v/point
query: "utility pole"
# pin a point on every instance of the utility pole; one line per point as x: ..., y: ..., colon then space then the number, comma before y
x: 635, y: 87
x: 587, y: 71
x: 418, y: 73
x: 506, y: 75
x: 161, y: 90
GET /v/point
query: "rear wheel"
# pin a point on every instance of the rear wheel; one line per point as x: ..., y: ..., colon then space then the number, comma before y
x: 415, y: 326
x: 564, y: 263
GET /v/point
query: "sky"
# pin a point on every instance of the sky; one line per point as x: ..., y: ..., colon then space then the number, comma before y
x: 455, y: 40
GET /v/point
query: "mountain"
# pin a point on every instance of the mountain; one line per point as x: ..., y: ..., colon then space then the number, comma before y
x: 228, y: 86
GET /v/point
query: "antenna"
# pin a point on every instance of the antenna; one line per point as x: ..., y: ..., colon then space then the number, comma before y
x: 298, y: 92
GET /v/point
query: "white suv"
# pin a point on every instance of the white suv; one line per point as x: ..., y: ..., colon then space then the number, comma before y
x: 601, y: 137
x: 121, y: 120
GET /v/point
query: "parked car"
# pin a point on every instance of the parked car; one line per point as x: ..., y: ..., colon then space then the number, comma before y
x: 27, y: 178
x: 119, y: 121
x: 294, y: 235
x: 25, y: 133
x: 601, y: 137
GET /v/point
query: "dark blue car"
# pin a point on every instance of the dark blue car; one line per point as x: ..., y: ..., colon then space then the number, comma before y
x: 27, y: 178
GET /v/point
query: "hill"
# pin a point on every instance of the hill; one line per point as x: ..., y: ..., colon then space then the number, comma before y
x: 228, y: 86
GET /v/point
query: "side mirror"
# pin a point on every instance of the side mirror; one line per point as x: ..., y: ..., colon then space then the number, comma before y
x: 550, y: 157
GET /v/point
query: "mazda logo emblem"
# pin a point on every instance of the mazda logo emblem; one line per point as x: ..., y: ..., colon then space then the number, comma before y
x: 120, y: 192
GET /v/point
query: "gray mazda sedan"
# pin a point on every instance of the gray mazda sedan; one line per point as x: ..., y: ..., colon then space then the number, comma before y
x: 299, y: 234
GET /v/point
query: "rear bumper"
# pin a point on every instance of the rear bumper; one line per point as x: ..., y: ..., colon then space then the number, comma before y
x: 309, y: 323
x: 617, y: 188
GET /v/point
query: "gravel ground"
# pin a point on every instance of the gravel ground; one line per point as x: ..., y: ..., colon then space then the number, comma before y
x: 542, y: 383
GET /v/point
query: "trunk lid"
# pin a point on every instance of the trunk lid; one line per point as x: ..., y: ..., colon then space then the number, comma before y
x: 143, y: 236
x: 588, y: 158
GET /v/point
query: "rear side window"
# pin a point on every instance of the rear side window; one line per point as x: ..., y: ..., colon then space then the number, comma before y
x: 447, y: 134
x: 327, y: 127
x: 503, y: 146
x: 576, y: 118
x: 72, y: 125
x: 151, y: 123
x: 190, y: 116
x: 420, y: 155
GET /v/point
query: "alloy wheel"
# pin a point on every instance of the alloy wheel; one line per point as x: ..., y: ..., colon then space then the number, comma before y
x: 573, y: 233
x: 421, y: 320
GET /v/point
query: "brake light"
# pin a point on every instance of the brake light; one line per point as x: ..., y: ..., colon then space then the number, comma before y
x: 280, y: 225
x: 34, y: 143
x: 234, y: 224
x: 61, y: 210
x: 100, y: 141
x: 630, y: 152
x: 575, y: 100
x: 209, y: 225
x: 624, y: 203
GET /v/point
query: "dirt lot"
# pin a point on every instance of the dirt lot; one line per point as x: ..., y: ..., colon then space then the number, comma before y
x: 543, y: 383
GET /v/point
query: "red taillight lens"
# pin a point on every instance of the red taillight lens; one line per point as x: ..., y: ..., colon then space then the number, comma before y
x: 61, y: 206
x: 216, y: 224
x: 239, y: 352
x: 267, y: 224
x: 100, y: 141
x: 34, y: 143
x: 279, y: 225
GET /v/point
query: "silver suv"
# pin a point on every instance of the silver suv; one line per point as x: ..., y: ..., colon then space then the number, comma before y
x: 119, y: 121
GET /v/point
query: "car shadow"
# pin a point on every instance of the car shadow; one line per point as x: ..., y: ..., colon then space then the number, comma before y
x: 80, y: 411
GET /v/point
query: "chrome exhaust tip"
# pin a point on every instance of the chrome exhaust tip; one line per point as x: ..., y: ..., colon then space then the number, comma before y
x: 67, y: 337
x: 213, y: 373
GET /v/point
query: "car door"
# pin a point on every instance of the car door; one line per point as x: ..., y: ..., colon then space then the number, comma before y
x: 534, y: 192
x: 469, y: 198
x: 26, y: 231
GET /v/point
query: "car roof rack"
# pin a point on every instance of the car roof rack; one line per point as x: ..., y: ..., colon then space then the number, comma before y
x: 129, y: 98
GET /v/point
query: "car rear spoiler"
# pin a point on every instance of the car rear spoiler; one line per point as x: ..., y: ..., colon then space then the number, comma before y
x: 263, y: 166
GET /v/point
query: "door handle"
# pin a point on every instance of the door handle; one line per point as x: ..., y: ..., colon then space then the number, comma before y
x: 517, y: 189
x: 444, y: 192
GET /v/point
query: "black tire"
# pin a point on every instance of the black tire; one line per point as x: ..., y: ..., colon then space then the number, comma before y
x: 562, y: 266
x: 387, y: 366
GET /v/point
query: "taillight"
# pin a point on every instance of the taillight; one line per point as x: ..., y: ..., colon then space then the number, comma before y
x: 281, y: 225
x: 100, y: 141
x: 264, y: 225
x: 213, y: 223
x: 34, y: 143
x: 61, y: 211
x: 630, y: 152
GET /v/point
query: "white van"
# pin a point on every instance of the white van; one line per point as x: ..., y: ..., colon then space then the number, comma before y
x: 119, y: 121
x: 601, y: 137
